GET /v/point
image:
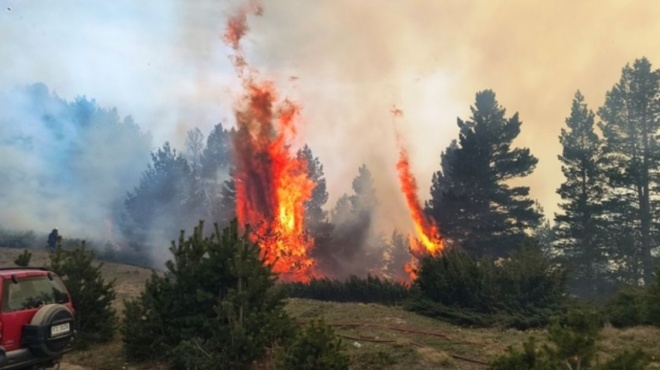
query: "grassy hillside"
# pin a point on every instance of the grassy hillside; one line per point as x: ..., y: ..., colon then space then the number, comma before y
x: 376, y: 336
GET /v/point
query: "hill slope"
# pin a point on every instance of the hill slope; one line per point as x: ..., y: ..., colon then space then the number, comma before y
x: 376, y: 336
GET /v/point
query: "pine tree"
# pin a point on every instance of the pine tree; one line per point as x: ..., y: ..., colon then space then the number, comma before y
x: 224, y: 207
x: 160, y: 201
x: 196, y: 200
x: 471, y: 199
x: 216, y: 168
x: 23, y: 259
x: 630, y: 122
x: 364, y: 200
x: 345, y: 239
x: 194, y: 149
x: 314, y: 213
x: 91, y: 295
x: 216, y: 304
x: 579, y: 228
x: 399, y: 256
x: 218, y: 153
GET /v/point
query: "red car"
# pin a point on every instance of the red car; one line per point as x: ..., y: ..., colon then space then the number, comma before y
x: 36, y: 318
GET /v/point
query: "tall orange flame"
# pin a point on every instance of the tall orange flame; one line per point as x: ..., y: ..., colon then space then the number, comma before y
x: 272, y: 185
x: 428, y: 240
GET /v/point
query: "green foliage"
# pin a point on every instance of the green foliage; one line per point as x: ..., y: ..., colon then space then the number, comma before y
x: 471, y: 196
x: 143, y: 328
x: 314, y: 213
x: 217, y: 303
x: 627, y: 307
x: 653, y: 300
x: 575, y: 337
x: 23, y: 259
x: 631, y: 159
x: 530, y: 358
x: 628, y: 360
x: 371, y: 289
x: 457, y: 279
x: 398, y: 249
x: 580, y: 228
x: 522, y: 291
x: 91, y: 295
x: 161, y: 191
x: 17, y: 239
x: 217, y: 158
x: 633, y: 305
x: 314, y: 347
x: 572, y: 344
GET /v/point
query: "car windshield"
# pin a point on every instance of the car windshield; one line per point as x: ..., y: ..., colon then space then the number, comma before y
x: 32, y: 292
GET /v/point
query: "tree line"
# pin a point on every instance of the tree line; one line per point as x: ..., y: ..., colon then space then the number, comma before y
x: 606, y: 232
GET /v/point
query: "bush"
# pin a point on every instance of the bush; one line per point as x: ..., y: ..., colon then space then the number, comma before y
x: 627, y: 307
x: 530, y: 358
x: 652, y: 301
x: 23, y: 259
x: 574, y: 338
x: 632, y: 305
x: 315, y: 347
x: 354, y: 289
x: 91, y: 295
x: 523, y: 291
x: 217, y: 303
x: 572, y: 344
x: 17, y: 239
x: 633, y: 360
x: 143, y: 327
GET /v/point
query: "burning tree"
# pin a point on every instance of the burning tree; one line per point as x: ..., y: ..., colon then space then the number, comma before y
x: 272, y: 185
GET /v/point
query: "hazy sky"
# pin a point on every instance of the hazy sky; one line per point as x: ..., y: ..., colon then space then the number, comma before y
x: 164, y: 63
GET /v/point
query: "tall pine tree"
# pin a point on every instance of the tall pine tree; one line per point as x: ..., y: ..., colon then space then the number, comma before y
x: 314, y: 213
x: 579, y: 228
x: 216, y: 162
x: 159, y: 203
x: 630, y: 122
x: 471, y: 197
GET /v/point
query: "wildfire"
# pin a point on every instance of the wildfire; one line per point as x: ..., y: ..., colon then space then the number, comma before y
x: 272, y: 185
x: 427, y: 240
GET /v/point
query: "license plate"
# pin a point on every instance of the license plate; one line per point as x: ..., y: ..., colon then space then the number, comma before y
x: 61, y: 329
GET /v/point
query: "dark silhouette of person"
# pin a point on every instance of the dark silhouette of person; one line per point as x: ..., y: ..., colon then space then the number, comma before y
x: 52, y: 239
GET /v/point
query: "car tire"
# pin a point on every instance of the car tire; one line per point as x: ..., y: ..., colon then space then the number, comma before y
x: 37, y: 335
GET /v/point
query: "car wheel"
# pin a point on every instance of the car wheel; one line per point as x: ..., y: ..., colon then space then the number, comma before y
x: 50, y: 331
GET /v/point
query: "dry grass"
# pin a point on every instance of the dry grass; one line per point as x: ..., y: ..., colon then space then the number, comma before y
x: 378, y: 346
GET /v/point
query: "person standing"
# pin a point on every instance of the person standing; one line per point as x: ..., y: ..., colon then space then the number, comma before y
x: 52, y: 239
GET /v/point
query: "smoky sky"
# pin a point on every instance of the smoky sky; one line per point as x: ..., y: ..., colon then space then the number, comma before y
x: 348, y: 63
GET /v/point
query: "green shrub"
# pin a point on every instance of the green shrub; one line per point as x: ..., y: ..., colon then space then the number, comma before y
x: 572, y: 344
x: 354, y: 289
x: 628, y: 360
x: 627, y: 307
x: 530, y: 358
x: 17, y: 239
x: 217, y: 303
x: 651, y: 307
x: 314, y: 347
x: 23, y: 259
x: 574, y: 338
x: 522, y: 291
x: 632, y: 305
x: 91, y: 295
x: 457, y: 279
x: 143, y: 327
